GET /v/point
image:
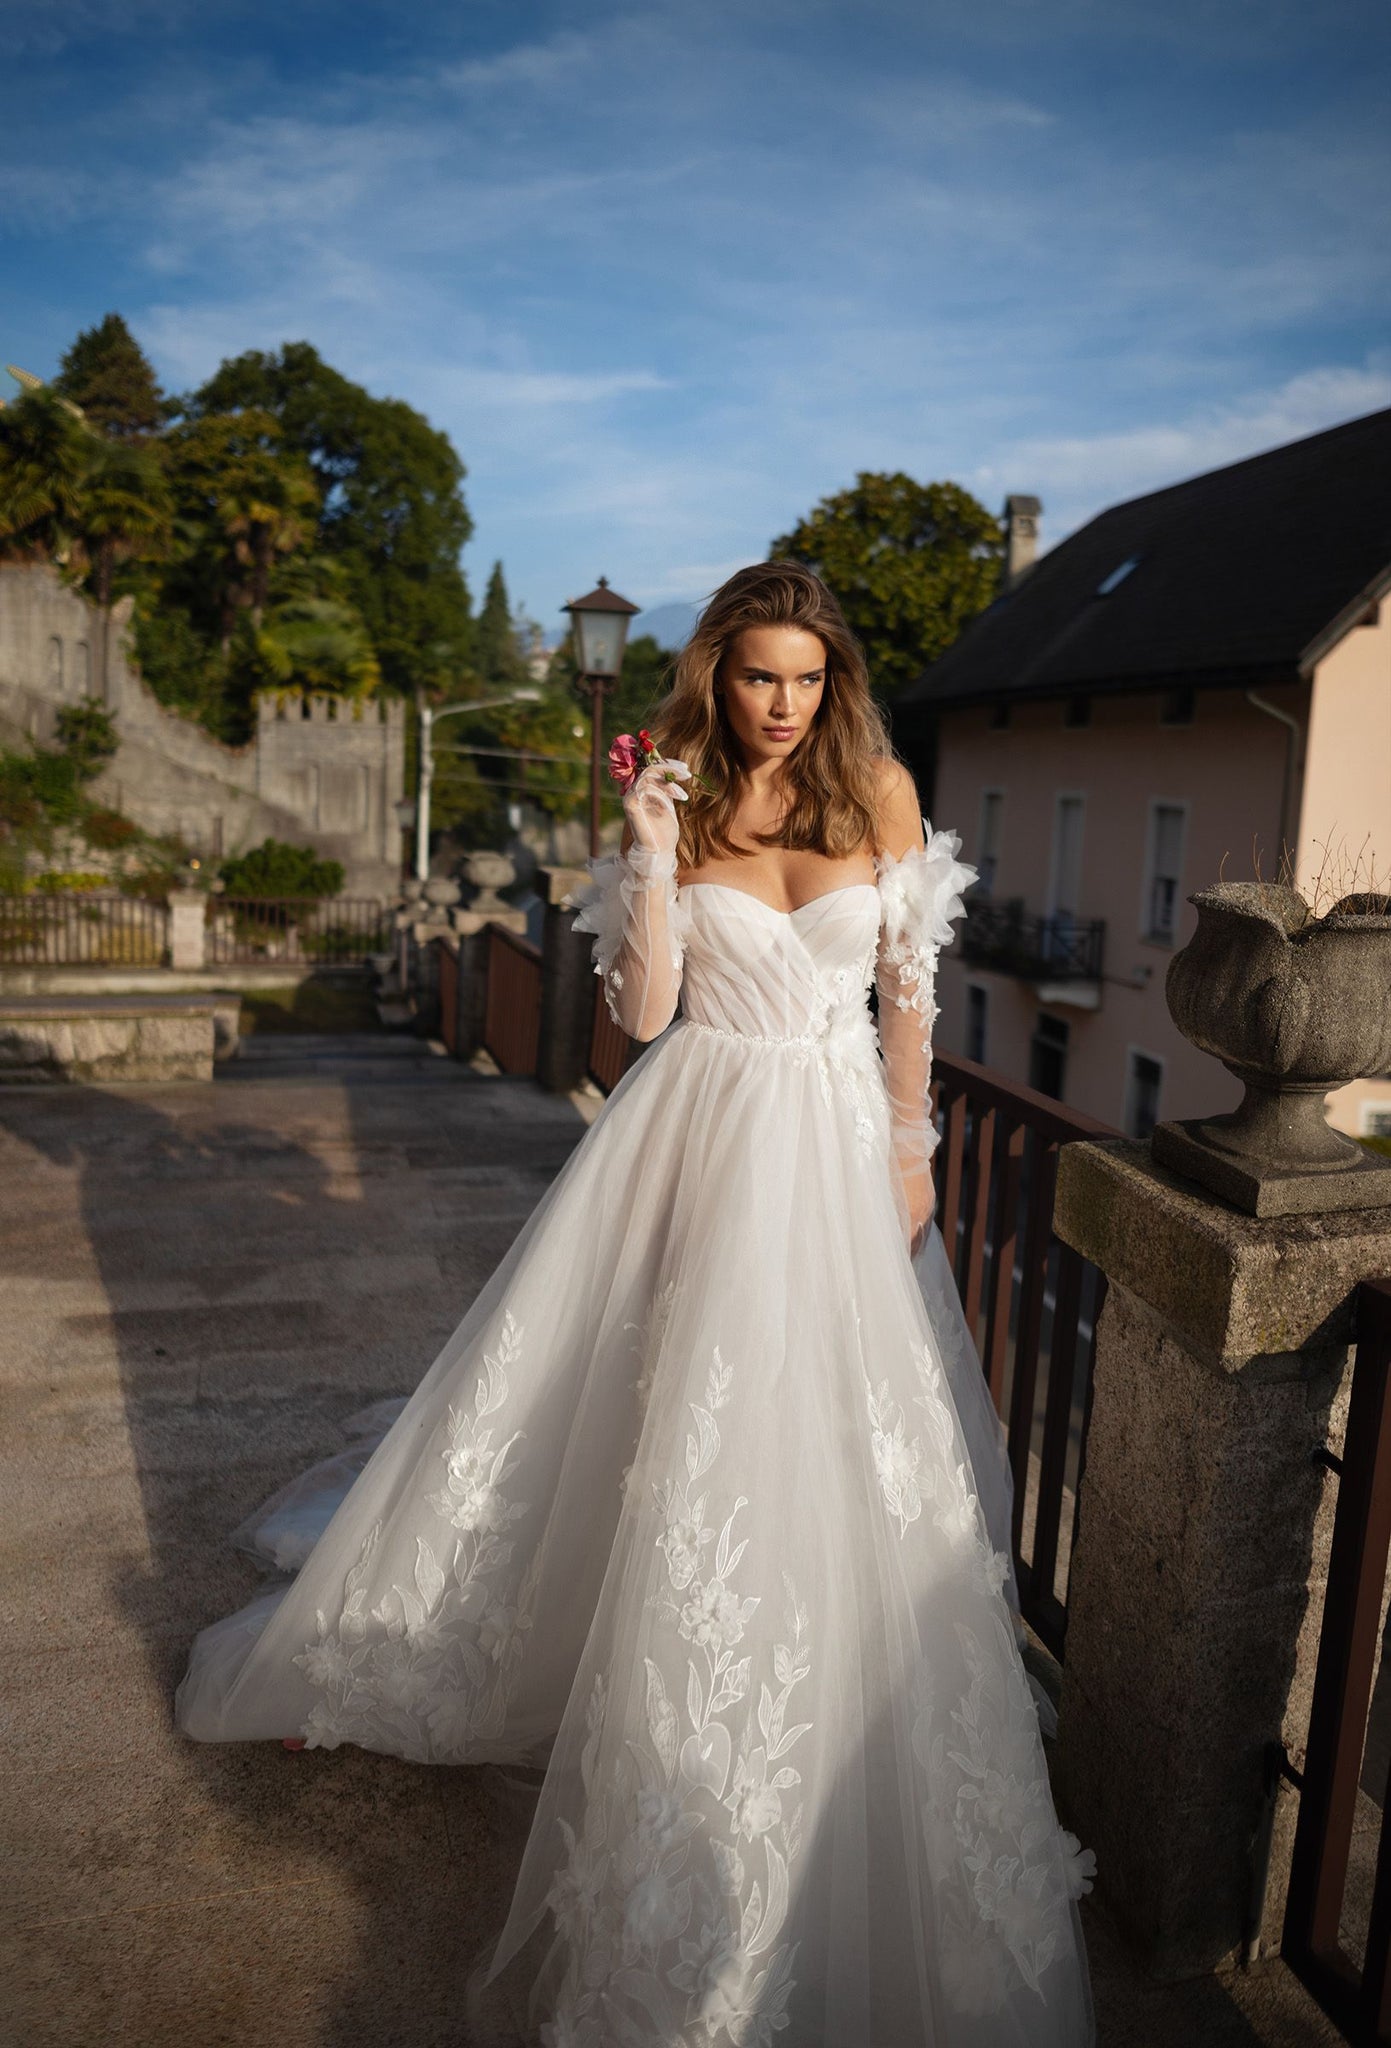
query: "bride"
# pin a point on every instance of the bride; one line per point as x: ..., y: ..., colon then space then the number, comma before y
x: 703, y: 1507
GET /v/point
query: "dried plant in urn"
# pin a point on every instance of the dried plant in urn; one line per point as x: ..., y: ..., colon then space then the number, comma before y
x: 1294, y: 1004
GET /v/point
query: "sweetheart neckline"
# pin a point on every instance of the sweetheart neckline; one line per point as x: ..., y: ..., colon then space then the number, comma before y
x: 840, y: 890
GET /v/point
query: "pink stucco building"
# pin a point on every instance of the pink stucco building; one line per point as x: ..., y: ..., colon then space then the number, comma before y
x: 1194, y: 682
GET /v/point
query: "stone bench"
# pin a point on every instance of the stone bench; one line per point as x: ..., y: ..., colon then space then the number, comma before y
x: 116, y: 1038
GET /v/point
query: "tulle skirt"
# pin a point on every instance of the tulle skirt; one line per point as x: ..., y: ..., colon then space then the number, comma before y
x: 703, y: 1508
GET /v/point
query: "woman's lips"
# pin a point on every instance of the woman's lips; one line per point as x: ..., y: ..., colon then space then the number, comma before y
x: 781, y: 732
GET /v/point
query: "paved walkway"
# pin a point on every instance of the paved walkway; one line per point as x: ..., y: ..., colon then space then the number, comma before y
x: 199, y: 1282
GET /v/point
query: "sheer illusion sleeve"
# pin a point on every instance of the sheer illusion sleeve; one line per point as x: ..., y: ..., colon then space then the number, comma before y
x: 919, y: 896
x: 632, y: 906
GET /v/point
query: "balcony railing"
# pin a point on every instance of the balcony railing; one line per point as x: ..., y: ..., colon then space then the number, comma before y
x: 1012, y: 940
x: 1030, y: 1302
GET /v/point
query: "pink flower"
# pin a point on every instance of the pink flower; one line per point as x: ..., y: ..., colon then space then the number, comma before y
x: 626, y: 759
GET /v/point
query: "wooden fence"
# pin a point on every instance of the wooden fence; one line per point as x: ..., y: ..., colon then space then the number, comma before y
x: 609, y: 1045
x: 1030, y: 1301
x: 512, y: 1008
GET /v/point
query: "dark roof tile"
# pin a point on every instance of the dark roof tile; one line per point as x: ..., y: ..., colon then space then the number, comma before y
x: 1239, y: 574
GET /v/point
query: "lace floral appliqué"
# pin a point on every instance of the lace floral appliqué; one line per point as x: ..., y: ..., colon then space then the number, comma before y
x: 672, y: 1899
x: 427, y: 1673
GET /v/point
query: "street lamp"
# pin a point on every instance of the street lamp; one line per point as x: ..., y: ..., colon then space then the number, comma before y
x: 429, y: 719
x: 600, y: 626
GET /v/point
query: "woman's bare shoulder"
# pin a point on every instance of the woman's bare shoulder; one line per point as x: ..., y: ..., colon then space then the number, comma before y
x: 898, y: 813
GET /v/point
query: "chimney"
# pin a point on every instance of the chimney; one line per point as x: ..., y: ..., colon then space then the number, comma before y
x: 1020, y: 522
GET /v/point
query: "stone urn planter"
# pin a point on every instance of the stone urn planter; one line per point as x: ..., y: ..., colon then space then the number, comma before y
x: 489, y: 872
x: 1293, y: 1005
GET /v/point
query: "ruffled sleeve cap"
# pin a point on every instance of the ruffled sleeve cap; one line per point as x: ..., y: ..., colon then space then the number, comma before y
x: 607, y: 902
x: 923, y: 892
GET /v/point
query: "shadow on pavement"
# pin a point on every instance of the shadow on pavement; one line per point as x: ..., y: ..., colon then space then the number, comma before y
x: 253, y: 1265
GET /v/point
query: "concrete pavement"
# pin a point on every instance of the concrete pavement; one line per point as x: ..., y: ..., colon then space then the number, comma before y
x: 199, y: 1283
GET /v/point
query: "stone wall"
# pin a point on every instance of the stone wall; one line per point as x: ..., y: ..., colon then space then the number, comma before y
x: 318, y: 772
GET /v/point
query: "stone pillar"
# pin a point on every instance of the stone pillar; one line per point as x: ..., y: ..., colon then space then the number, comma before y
x: 567, y: 985
x: 473, y: 990
x: 1196, y: 1589
x: 187, y: 929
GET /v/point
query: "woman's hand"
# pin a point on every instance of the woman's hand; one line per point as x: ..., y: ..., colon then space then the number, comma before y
x: 649, y: 804
x: 922, y: 1204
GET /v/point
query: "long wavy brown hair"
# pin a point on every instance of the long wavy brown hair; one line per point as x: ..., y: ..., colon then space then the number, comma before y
x: 831, y: 778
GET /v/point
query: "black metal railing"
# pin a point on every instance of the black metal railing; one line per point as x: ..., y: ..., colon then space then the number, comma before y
x: 83, y: 930
x: 1012, y: 940
x: 1337, y: 1931
x: 284, y: 930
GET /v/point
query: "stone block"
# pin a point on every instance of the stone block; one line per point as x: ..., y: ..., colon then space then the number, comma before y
x: 107, y: 1038
x: 1196, y: 1589
x: 1232, y: 1288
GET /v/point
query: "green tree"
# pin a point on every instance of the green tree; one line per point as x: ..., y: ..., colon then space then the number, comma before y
x: 391, y: 503
x: 910, y: 563
x: 123, y: 514
x: 45, y: 454
x: 108, y: 375
x: 317, y: 644
x: 243, y: 501
x: 497, y: 658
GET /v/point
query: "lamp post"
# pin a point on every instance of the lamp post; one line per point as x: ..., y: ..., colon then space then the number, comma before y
x: 429, y: 719
x: 600, y: 626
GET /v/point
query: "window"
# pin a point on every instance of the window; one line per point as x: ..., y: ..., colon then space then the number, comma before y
x: 1176, y: 707
x: 977, y: 1021
x: 999, y: 718
x: 82, y: 669
x: 1143, y: 1081
x: 992, y: 811
x: 55, y: 666
x: 1117, y: 577
x: 1164, y: 872
x: 1048, y: 1056
x: 1065, y: 884
x: 1077, y: 712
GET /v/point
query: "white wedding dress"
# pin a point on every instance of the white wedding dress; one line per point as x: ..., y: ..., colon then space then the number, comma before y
x: 704, y: 1508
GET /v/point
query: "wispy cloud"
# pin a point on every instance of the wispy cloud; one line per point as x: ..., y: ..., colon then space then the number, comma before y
x: 1078, y: 475
x: 668, y: 278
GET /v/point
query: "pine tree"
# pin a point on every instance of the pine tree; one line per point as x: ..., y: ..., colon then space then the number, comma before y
x: 107, y: 373
x: 496, y: 656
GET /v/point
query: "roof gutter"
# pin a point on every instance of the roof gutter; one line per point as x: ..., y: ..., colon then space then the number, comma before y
x: 1293, y: 735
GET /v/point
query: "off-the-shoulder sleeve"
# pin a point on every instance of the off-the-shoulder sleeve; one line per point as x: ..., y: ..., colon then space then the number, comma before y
x: 639, y: 920
x: 919, y: 896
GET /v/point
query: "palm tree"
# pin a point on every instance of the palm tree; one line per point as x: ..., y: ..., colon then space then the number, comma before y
x: 45, y: 451
x: 123, y: 511
x: 253, y: 502
x: 318, y: 643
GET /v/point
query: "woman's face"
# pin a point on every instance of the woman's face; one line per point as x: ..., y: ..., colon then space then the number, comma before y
x: 773, y: 679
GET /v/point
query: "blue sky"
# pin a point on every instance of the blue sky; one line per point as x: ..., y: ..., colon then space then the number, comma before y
x: 668, y: 274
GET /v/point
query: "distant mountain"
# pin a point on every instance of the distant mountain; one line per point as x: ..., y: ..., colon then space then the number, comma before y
x: 670, y: 625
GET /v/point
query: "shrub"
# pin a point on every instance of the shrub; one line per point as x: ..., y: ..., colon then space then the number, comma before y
x: 107, y: 830
x: 277, y: 869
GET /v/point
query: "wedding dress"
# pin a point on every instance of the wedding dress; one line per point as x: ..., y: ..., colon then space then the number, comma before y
x: 704, y: 1508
